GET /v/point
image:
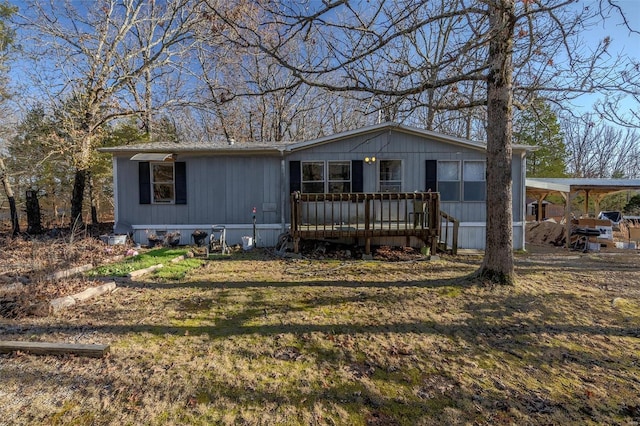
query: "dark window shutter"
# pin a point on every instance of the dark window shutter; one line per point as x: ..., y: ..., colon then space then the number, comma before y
x: 431, y: 182
x: 357, y: 176
x: 295, y: 176
x: 180, y: 168
x: 144, y: 182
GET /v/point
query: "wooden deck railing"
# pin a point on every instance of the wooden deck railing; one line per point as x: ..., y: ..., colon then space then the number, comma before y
x: 366, y: 215
x: 448, y: 226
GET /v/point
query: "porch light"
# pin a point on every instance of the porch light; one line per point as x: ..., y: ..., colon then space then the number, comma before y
x: 369, y: 160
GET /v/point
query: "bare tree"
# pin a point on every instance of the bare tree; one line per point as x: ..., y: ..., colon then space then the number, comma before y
x: 92, y: 57
x: 622, y: 109
x: 241, y: 93
x: 6, y: 39
x: 511, y: 48
x: 598, y: 150
x: 6, y: 185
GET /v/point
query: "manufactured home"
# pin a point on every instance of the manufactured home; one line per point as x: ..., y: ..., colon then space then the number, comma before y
x: 263, y: 190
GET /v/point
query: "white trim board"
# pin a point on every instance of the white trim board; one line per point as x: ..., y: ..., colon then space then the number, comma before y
x: 165, y: 227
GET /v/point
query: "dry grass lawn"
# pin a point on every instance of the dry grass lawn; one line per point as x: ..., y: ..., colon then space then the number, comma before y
x: 256, y: 339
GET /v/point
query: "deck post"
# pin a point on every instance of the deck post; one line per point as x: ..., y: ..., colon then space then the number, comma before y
x: 454, y: 242
x: 434, y: 218
x: 295, y: 207
x: 367, y: 225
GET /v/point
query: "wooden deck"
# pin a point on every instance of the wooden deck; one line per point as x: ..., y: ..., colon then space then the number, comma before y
x: 365, y: 216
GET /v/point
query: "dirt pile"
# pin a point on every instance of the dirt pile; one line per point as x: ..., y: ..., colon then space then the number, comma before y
x: 547, y: 232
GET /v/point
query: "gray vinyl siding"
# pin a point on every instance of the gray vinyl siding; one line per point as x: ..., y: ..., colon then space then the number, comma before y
x: 223, y: 189
x: 473, y: 236
x: 518, y: 190
x: 412, y: 150
x: 220, y: 190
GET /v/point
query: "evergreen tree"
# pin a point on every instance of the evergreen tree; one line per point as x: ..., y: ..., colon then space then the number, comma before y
x: 538, y: 126
x: 38, y: 160
x: 633, y: 205
x: 123, y: 132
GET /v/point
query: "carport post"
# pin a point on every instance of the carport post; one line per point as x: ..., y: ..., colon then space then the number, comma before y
x: 596, y: 203
x: 567, y: 217
x: 586, y: 203
x: 541, y: 198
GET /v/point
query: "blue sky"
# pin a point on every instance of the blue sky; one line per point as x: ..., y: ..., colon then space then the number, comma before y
x: 620, y: 33
x: 623, y: 41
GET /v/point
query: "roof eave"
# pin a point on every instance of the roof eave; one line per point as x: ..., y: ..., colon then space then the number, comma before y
x: 191, y: 151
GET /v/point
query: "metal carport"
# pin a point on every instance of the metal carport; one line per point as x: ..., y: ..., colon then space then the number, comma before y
x: 569, y: 188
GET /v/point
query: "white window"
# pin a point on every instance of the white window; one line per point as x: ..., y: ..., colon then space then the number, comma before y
x: 390, y: 175
x: 449, y: 180
x: 475, y: 185
x: 163, y: 183
x: 330, y: 177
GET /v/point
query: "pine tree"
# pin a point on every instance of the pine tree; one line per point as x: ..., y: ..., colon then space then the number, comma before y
x: 538, y: 126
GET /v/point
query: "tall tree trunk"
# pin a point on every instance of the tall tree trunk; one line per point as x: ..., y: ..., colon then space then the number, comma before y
x: 34, y: 218
x: 497, y: 266
x: 13, y: 211
x: 92, y: 199
x: 77, y: 197
x: 83, y: 160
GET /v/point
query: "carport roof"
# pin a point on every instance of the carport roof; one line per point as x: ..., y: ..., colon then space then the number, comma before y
x: 571, y: 185
x: 568, y: 187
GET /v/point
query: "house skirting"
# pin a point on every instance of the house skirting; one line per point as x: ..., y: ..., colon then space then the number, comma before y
x: 266, y: 233
x: 471, y: 235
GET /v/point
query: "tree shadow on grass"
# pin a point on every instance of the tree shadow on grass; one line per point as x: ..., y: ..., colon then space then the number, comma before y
x: 461, y: 281
x: 518, y: 329
x: 490, y: 321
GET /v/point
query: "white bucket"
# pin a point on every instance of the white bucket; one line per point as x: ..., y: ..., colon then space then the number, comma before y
x: 247, y: 243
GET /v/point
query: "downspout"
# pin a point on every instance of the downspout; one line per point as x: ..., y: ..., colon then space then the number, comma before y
x: 116, y: 216
x: 283, y: 192
x: 523, y: 198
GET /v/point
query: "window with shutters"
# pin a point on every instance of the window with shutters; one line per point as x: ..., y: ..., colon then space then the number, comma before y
x: 330, y: 177
x: 163, y: 183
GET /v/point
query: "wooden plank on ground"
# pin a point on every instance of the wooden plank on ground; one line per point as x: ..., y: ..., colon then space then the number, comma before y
x: 70, y: 272
x: 94, y: 291
x: 60, y: 303
x: 46, y: 348
x: 139, y: 272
